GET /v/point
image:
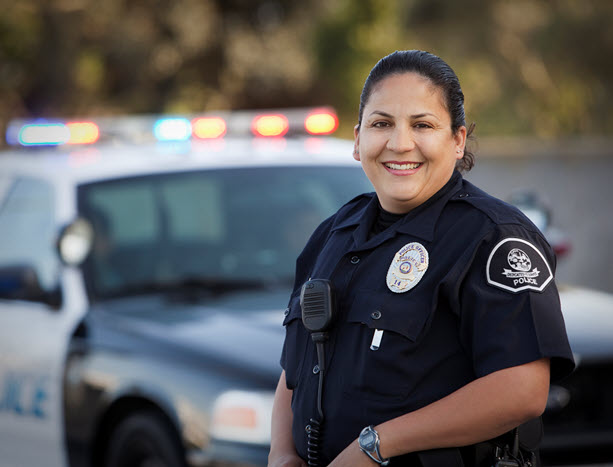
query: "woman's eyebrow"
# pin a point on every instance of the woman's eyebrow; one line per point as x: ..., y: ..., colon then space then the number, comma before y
x: 416, y: 116
x: 425, y: 114
x: 382, y: 113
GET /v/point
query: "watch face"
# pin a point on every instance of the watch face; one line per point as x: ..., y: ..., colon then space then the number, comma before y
x: 367, y: 440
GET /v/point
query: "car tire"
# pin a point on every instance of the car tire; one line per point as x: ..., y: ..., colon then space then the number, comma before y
x: 144, y: 439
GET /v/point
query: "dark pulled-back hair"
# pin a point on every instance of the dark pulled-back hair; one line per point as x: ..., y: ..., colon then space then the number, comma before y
x: 439, y: 73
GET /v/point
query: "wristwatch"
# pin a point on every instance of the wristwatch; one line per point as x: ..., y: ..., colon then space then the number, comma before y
x: 369, y: 444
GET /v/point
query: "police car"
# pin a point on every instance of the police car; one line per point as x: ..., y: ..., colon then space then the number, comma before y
x: 142, y: 286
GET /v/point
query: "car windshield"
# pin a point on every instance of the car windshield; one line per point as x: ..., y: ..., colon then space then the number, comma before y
x: 212, y: 230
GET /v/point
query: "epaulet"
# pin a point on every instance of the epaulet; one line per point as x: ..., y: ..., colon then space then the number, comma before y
x: 500, y: 212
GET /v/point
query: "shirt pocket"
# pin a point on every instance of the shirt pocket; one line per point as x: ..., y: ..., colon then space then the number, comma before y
x: 296, y: 339
x: 389, y: 371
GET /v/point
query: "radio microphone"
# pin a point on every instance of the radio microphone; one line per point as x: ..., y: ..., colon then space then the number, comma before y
x: 317, y: 304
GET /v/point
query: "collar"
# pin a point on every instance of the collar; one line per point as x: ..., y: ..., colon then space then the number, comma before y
x: 422, y: 220
x: 419, y: 222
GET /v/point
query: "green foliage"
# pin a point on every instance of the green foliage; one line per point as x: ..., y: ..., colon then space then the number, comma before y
x: 527, y: 67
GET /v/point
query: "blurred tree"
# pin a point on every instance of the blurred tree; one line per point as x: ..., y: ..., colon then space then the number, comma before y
x: 528, y: 67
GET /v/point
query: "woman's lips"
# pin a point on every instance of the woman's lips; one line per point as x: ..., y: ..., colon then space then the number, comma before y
x: 405, y: 168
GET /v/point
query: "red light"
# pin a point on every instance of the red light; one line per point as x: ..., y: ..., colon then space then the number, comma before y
x: 321, y: 123
x: 83, y: 132
x: 209, y: 127
x: 270, y: 125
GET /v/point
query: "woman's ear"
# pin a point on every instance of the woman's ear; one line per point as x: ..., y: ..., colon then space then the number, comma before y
x: 460, y: 141
x: 356, y: 142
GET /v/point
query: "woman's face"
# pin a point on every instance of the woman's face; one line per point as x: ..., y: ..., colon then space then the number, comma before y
x: 405, y: 142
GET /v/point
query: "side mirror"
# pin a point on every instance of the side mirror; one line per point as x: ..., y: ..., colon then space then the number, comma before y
x: 20, y: 282
x: 75, y: 242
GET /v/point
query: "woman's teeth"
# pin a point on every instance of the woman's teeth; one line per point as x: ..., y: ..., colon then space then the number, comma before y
x: 408, y: 166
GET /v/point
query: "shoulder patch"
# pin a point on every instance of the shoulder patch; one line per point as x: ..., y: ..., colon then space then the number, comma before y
x: 515, y: 265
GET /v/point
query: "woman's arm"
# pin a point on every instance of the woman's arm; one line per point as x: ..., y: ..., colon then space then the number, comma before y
x: 481, y: 410
x: 282, y: 450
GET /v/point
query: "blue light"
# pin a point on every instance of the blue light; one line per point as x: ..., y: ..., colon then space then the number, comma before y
x: 173, y: 129
x: 43, y: 134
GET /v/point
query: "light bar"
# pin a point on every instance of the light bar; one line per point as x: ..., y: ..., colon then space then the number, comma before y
x: 209, y: 127
x: 172, y: 129
x: 321, y: 123
x: 270, y: 125
x: 180, y: 128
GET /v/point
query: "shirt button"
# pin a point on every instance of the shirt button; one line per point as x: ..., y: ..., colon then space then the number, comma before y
x: 463, y: 195
x: 355, y: 259
x: 375, y: 314
x: 286, y: 312
x: 307, y: 428
x: 316, y: 369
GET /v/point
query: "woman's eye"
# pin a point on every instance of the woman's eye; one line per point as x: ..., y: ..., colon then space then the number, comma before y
x: 423, y: 125
x: 380, y: 124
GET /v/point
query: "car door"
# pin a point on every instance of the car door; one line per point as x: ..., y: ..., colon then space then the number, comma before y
x: 34, y: 327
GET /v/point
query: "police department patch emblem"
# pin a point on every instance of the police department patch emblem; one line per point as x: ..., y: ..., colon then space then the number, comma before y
x: 408, y: 267
x: 515, y: 265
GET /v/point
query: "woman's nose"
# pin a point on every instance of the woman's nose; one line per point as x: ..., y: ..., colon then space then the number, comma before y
x: 401, y: 140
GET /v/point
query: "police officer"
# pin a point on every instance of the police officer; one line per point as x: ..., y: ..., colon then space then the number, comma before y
x: 448, y: 326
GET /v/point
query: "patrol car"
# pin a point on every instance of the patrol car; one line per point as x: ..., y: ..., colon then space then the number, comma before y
x: 142, y: 288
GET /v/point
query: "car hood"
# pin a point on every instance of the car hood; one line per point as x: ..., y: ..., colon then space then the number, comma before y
x: 588, y: 315
x: 244, y: 332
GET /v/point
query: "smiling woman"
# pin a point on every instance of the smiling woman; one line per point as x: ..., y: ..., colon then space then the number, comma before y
x: 436, y: 321
x: 405, y: 142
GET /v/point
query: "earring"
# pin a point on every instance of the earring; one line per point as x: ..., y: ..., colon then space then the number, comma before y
x: 458, y: 151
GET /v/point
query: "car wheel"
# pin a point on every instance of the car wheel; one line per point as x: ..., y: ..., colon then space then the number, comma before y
x: 144, y: 439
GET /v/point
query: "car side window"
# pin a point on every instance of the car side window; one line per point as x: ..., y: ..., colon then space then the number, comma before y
x: 28, y: 231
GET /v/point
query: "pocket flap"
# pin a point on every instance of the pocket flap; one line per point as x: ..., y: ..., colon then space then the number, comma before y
x: 398, y: 313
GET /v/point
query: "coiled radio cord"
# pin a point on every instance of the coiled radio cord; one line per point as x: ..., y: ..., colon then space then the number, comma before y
x: 315, y: 434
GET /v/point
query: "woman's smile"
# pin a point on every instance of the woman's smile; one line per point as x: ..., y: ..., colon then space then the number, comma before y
x: 402, y: 168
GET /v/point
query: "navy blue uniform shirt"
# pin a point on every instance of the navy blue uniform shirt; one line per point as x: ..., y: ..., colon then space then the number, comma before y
x: 474, y: 293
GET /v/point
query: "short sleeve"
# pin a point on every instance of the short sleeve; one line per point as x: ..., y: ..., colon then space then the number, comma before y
x: 510, y: 307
